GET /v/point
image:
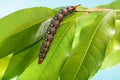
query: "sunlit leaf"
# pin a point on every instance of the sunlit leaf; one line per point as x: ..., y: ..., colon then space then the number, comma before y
x: 113, y: 50
x: 20, y: 29
x: 81, y: 22
x: 19, y: 62
x: 21, y: 59
x: 88, y: 56
x: 58, y: 52
x: 113, y: 5
x: 3, y: 65
x: 111, y: 60
x: 78, y: 49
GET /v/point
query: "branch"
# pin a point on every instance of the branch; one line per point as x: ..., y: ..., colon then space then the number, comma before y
x: 97, y: 10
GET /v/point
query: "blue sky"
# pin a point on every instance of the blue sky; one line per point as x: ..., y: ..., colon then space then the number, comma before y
x: 9, y: 6
x: 108, y: 74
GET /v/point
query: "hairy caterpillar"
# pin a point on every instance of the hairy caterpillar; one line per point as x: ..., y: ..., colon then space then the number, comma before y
x: 54, y: 24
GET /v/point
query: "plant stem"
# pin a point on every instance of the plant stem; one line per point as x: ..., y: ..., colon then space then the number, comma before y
x: 97, y: 10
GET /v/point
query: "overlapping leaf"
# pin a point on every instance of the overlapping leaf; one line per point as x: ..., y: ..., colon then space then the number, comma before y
x: 19, y: 62
x: 113, y: 50
x: 20, y: 29
x: 3, y: 65
x: 113, y: 5
x: 88, y: 56
x: 20, y: 33
x: 24, y: 32
x: 25, y: 56
x: 58, y: 52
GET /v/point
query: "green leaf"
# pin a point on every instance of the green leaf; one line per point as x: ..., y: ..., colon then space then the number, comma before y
x: 23, y: 58
x: 58, y: 53
x: 81, y: 22
x: 19, y: 62
x: 111, y: 60
x: 114, y: 5
x: 20, y: 29
x: 113, y: 50
x: 114, y: 44
x: 3, y: 65
x: 88, y: 56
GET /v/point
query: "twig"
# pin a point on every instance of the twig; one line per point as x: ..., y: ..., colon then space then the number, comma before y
x: 97, y: 10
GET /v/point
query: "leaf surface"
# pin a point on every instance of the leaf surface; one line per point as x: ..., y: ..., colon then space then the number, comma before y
x: 3, y: 65
x: 88, y: 56
x: 57, y: 54
x: 23, y: 58
x: 113, y: 50
x: 20, y: 29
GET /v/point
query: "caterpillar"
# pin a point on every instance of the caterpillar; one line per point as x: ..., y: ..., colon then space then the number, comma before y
x: 54, y: 24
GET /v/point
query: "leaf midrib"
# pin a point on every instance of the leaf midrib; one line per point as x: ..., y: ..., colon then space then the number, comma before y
x: 92, y: 38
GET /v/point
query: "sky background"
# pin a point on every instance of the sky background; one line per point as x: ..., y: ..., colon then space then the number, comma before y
x: 9, y: 6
